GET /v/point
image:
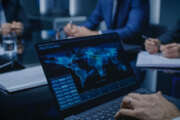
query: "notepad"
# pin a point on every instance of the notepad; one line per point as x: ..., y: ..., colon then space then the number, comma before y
x: 23, y: 79
x: 1, y: 51
x: 156, y: 60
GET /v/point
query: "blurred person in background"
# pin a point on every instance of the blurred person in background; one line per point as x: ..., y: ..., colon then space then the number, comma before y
x: 13, y: 19
x: 128, y: 18
x: 168, y: 43
x: 155, y: 106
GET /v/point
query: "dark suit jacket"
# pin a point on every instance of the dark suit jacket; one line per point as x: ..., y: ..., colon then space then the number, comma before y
x: 14, y: 12
x: 171, y: 36
x: 132, y: 20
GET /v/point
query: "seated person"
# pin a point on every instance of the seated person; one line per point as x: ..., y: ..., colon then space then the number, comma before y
x: 148, y: 107
x: 13, y: 19
x: 128, y: 18
x: 168, y: 44
x: 155, y: 106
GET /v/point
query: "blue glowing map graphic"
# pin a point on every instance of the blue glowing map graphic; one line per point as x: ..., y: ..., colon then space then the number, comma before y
x: 87, y: 61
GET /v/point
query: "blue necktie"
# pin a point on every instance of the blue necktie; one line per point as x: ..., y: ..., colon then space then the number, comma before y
x: 115, y: 20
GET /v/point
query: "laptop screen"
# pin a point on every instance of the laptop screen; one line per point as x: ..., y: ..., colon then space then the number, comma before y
x: 85, y: 69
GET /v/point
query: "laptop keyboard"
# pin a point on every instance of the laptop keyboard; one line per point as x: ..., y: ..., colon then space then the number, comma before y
x: 105, y: 111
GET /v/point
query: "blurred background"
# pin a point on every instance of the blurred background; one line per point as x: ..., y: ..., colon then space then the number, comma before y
x: 165, y: 10
x: 47, y: 16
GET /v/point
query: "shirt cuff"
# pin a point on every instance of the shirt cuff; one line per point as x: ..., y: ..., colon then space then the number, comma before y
x: 100, y: 32
x: 178, y: 118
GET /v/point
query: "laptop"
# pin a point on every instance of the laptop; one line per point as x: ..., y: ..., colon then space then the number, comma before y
x: 88, y: 76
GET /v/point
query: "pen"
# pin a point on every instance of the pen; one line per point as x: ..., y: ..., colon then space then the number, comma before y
x: 58, y: 31
x: 70, y: 22
x: 145, y: 38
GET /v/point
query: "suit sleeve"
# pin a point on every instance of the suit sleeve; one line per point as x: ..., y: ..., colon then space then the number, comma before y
x: 96, y: 17
x: 138, y: 20
x: 171, y: 36
x: 21, y: 16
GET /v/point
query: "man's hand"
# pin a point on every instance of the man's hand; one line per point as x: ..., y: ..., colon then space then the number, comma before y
x: 147, y: 107
x: 83, y: 31
x: 17, y: 27
x: 152, y: 45
x: 171, y: 50
x: 76, y: 31
x: 6, y: 29
x: 71, y: 29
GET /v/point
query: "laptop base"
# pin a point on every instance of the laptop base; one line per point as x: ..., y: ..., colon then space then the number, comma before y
x: 105, y: 111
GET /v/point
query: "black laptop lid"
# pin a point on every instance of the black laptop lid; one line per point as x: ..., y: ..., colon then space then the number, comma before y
x: 84, y: 72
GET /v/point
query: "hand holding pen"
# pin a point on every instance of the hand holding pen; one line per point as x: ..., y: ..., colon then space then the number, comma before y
x: 70, y: 29
x: 61, y: 33
x: 152, y: 45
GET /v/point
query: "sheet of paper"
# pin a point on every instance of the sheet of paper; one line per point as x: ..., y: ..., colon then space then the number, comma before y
x: 157, y: 60
x: 1, y: 50
x: 23, y: 79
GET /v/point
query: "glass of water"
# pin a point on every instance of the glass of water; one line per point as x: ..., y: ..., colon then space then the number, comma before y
x: 9, y: 45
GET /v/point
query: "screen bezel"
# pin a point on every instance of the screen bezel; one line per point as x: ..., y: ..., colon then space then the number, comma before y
x: 91, y: 103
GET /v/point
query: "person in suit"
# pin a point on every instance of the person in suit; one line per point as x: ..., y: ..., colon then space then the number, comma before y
x: 155, y: 106
x: 128, y: 18
x: 168, y: 43
x: 148, y: 107
x: 13, y: 19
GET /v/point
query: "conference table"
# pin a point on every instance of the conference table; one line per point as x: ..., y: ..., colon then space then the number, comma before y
x: 35, y: 100
x: 28, y: 101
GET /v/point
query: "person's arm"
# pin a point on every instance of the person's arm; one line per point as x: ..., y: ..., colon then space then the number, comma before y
x: 171, y: 50
x: 148, y: 107
x: 21, y: 17
x: 137, y: 21
x: 152, y: 45
x: 171, y: 36
x: 94, y: 20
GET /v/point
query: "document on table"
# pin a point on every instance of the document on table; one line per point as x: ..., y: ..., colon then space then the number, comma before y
x: 157, y: 60
x: 1, y: 51
x: 23, y: 79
